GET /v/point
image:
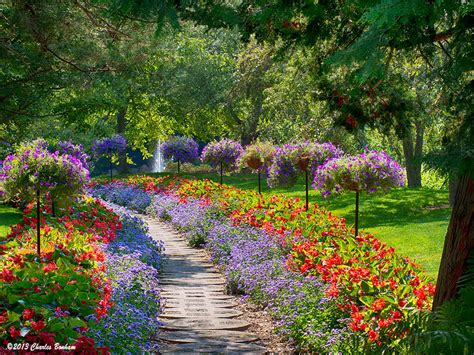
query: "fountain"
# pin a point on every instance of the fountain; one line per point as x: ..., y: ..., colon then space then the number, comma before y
x: 158, y: 163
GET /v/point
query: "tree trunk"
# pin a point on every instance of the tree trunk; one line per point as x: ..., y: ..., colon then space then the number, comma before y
x: 459, y: 242
x: 413, y: 153
x: 453, y: 186
x: 121, y: 126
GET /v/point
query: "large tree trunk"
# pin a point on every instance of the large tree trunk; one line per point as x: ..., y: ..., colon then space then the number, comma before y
x: 453, y: 186
x: 121, y: 126
x: 459, y: 242
x: 413, y: 153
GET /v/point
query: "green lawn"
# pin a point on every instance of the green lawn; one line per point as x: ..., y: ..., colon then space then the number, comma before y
x: 414, y: 221
x: 8, y: 217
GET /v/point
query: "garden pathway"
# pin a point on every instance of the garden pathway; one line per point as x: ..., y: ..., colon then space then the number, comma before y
x: 198, y: 316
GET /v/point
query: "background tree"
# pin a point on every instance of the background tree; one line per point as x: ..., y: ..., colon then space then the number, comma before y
x: 362, y: 38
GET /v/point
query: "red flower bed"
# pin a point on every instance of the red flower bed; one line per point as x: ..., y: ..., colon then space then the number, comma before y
x: 49, y: 302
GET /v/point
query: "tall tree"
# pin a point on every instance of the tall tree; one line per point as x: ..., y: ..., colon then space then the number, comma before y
x: 361, y: 37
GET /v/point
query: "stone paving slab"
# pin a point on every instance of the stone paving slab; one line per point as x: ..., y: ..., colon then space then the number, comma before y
x: 206, y: 324
x: 190, y: 275
x: 195, y: 288
x: 176, y: 313
x: 191, y: 282
x: 200, y: 302
x: 198, y: 336
x: 213, y: 348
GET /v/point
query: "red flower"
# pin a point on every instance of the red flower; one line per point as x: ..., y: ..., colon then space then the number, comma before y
x: 50, y: 267
x: 38, y: 325
x: 378, y: 305
x: 373, y: 335
x: 351, y: 121
x: 47, y: 338
x: 384, y: 323
x: 28, y: 314
x: 7, y: 275
x: 357, y: 317
x: 3, y: 317
x: 396, y: 315
x: 14, y: 332
x: 84, y: 343
x: 431, y: 289
x: 333, y: 291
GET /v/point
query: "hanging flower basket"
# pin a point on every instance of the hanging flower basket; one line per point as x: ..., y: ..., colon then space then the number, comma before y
x: 254, y: 163
x: 303, y: 163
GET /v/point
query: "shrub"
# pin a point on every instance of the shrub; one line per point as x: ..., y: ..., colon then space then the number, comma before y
x: 51, y: 302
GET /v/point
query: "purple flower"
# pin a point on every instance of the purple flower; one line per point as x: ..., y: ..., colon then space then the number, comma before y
x: 74, y: 150
x: 109, y: 146
x: 225, y: 152
x: 182, y: 149
x: 32, y: 167
x: 287, y: 161
x: 370, y: 171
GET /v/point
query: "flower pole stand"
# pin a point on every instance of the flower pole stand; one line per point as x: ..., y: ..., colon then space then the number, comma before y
x: 221, y: 171
x: 303, y: 163
x: 356, y: 227
x: 256, y: 164
x: 38, y: 223
x: 111, y: 169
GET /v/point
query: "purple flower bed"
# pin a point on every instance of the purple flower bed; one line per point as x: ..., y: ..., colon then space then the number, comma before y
x: 123, y: 195
x: 133, y: 262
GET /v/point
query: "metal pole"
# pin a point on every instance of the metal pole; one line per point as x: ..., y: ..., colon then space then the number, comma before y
x: 38, y: 223
x: 259, y: 183
x: 111, y: 168
x: 357, y: 214
x: 307, y: 190
x: 221, y: 172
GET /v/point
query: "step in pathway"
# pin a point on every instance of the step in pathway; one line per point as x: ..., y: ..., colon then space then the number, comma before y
x: 198, y: 316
